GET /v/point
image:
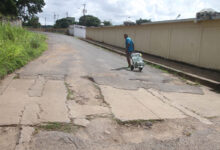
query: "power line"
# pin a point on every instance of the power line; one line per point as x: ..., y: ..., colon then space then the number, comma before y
x: 45, y: 21
x: 54, y: 17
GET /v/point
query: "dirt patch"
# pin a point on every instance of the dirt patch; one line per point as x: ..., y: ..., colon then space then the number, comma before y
x: 145, y: 124
x: 8, y: 137
x: 17, y: 76
x: 106, y: 133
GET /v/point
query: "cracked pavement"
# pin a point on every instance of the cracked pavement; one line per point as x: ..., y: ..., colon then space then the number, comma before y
x: 78, y: 84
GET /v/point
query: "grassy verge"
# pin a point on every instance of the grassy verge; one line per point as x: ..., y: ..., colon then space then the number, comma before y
x: 193, y: 82
x: 17, y: 47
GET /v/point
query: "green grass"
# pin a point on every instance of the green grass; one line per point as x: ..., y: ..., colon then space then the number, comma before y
x: 17, y: 47
x: 56, y: 126
x: 70, y: 94
x: 157, y: 67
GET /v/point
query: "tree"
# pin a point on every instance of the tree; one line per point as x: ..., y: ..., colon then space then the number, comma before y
x: 89, y: 20
x: 64, y: 22
x: 107, y: 23
x: 28, y: 8
x: 140, y: 21
x: 24, y: 9
x: 33, y: 22
x: 8, y: 7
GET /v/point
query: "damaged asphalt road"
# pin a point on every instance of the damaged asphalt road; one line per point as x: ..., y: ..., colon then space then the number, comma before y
x: 108, y: 68
x: 79, y: 96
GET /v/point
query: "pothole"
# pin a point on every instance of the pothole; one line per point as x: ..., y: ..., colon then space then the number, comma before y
x: 89, y: 78
x: 99, y: 95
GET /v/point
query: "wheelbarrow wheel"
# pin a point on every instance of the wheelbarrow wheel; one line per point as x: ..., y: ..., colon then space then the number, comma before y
x: 140, y: 69
x: 132, y: 67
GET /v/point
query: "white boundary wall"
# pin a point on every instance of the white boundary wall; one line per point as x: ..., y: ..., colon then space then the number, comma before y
x: 77, y: 31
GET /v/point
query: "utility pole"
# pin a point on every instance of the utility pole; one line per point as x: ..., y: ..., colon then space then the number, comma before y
x: 84, y: 9
x: 54, y: 17
x: 45, y: 23
x: 84, y: 14
x: 67, y: 14
x: 178, y: 16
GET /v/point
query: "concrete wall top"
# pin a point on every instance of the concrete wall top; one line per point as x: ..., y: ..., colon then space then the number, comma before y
x: 168, y: 22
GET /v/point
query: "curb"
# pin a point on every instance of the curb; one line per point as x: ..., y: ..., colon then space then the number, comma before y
x: 204, y: 81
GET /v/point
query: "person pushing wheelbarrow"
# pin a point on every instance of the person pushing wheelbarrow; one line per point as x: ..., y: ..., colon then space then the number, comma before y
x: 137, y: 61
x: 129, y: 48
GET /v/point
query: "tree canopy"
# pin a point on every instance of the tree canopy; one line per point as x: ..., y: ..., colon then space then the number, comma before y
x: 89, y: 20
x: 64, y: 22
x: 33, y: 22
x: 24, y: 9
x: 107, y: 23
x: 140, y: 21
x: 28, y: 8
x: 8, y: 7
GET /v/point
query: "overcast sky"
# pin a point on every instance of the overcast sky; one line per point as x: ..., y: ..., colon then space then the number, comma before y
x: 118, y: 11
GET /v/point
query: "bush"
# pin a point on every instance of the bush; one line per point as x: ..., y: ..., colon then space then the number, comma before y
x: 17, y: 47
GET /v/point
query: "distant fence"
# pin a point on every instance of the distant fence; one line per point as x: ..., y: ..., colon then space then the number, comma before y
x: 185, y: 41
x: 56, y: 30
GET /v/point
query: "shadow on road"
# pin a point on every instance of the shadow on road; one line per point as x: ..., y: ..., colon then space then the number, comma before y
x: 124, y: 68
x: 121, y: 68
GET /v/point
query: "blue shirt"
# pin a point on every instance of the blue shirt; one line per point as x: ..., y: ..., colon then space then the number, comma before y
x: 131, y: 44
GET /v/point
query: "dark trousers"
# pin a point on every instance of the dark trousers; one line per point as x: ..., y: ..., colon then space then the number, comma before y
x: 128, y: 55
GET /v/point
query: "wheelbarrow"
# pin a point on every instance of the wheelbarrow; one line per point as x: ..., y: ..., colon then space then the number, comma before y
x: 137, y: 61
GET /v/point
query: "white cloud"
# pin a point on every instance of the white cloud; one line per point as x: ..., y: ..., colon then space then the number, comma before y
x: 118, y: 11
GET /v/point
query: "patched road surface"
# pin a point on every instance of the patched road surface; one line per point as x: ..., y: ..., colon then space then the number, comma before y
x: 77, y: 96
